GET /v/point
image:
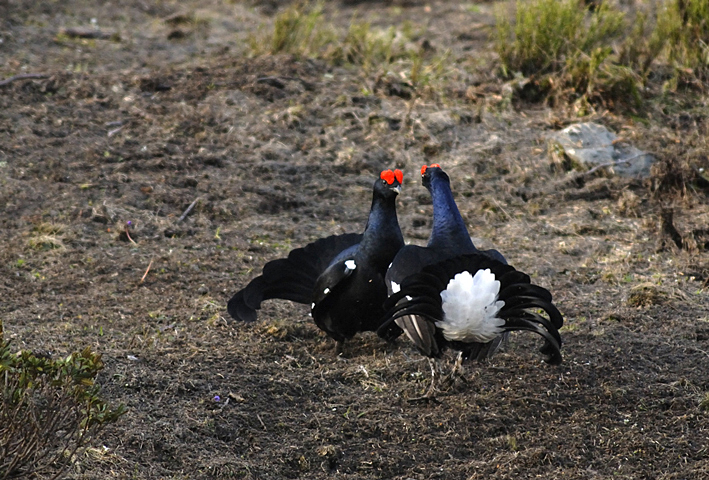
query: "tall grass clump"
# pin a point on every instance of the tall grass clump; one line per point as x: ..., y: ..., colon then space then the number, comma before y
x: 302, y: 31
x: 566, y: 49
x: 644, y: 43
x: 563, y: 45
x: 685, y: 25
x: 549, y: 35
x: 391, y: 54
x: 367, y: 47
x: 298, y: 30
x: 49, y: 410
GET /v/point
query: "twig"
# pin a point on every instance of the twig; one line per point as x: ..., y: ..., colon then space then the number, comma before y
x: 262, y: 424
x: 604, y: 165
x: 189, y: 209
x: 146, y: 271
x: 23, y: 76
x: 115, y: 130
x: 563, y: 184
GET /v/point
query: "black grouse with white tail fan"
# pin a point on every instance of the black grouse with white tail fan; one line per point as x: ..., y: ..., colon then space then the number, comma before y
x: 341, y: 277
x: 450, y: 294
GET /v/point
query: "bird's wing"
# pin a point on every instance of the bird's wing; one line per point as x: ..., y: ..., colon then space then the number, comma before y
x: 292, y: 278
x: 494, y: 254
x: 321, y: 253
x: 409, y: 260
x: 333, y: 278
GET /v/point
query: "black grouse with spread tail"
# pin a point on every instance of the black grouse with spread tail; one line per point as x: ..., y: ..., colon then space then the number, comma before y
x: 450, y: 294
x: 341, y: 277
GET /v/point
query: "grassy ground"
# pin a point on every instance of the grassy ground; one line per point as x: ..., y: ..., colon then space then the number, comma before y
x: 190, y: 103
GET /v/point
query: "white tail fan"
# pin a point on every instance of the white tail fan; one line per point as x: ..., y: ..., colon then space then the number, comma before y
x: 470, y: 308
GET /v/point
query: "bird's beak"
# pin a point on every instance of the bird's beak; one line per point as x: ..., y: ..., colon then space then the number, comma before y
x: 397, y: 189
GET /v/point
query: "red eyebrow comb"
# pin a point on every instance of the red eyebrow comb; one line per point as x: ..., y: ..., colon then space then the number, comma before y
x: 399, y: 176
x: 388, y: 176
x: 425, y: 167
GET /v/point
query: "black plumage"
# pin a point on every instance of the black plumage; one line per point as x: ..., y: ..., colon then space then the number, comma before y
x: 418, y: 306
x: 419, y: 276
x: 449, y: 238
x: 341, y: 277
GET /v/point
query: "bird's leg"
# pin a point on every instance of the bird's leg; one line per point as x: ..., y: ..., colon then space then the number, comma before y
x: 429, y: 395
x: 456, y: 373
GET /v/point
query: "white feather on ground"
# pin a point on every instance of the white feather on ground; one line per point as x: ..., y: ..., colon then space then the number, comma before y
x: 470, y: 307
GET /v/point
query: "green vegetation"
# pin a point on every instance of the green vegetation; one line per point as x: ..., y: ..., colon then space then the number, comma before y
x: 49, y: 410
x: 298, y: 30
x: 566, y: 50
x: 367, y: 47
x: 603, y: 54
x: 551, y: 36
x: 302, y: 31
x: 564, y: 46
x: 685, y: 25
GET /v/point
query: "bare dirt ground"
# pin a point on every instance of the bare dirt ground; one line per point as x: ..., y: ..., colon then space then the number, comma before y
x: 277, y: 152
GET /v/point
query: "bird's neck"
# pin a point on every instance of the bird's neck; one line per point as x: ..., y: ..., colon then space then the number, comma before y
x: 448, y: 226
x: 382, y: 231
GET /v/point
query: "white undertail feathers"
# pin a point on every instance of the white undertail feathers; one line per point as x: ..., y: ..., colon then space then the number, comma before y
x: 470, y: 308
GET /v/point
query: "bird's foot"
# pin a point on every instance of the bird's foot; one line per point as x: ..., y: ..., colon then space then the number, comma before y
x: 457, y: 373
x: 449, y: 380
x: 430, y: 395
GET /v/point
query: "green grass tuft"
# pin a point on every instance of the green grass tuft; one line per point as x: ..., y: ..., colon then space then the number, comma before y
x: 564, y: 47
x: 298, y: 31
x: 552, y: 36
x: 685, y: 26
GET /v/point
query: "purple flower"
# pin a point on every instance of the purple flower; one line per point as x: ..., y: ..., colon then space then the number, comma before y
x: 217, y: 398
x: 129, y: 223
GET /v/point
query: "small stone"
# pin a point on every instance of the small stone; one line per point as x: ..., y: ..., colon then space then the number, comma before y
x: 588, y: 145
x: 439, y: 122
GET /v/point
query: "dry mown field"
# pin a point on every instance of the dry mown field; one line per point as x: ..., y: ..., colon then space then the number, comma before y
x: 277, y: 151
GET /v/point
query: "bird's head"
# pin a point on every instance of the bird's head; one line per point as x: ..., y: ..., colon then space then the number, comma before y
x: 389, y: 183
x: 429, y: 172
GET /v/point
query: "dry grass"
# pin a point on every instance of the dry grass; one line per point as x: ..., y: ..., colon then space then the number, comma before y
x: 47, y: 236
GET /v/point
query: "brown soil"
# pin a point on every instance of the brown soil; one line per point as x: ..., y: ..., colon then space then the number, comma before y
x: 277, y: 152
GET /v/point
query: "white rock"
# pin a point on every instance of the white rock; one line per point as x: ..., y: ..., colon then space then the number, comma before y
x: 591, y: 144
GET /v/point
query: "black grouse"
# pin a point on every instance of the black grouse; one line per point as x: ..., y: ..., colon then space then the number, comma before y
x: 341, y: 277
x: 450, y: 294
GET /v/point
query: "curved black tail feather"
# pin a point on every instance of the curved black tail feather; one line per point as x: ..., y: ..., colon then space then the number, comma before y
x: 419, y: 297
x: 292, y: 278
